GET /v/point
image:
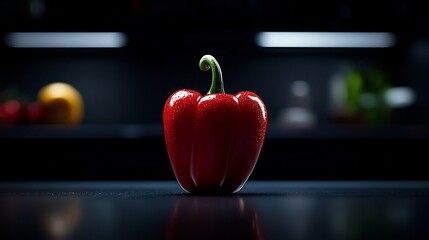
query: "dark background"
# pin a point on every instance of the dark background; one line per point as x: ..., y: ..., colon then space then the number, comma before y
x: 124, y: 89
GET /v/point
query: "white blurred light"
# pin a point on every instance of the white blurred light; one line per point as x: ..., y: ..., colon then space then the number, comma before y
x: 400, y: 97
x: 66, y: 39
x: 326, y: 39
x: 300, y: 88
x: 297, y: 117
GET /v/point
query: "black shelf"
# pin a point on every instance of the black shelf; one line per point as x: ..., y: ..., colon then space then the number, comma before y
x: 138, y: 152
x: 85, y: 131
x: 133, y: 131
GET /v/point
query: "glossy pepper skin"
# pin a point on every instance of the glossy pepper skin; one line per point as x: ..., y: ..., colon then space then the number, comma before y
x: 214, y: 141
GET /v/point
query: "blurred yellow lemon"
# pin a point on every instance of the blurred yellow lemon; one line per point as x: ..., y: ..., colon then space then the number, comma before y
x: 61, y: 104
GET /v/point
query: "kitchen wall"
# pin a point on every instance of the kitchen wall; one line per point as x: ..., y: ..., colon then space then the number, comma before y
x: 317, y: 97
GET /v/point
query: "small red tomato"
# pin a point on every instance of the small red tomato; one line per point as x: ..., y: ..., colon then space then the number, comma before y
x: 10, y: 112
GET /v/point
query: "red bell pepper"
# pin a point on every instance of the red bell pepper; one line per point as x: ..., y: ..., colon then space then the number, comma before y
x: 213, y: 141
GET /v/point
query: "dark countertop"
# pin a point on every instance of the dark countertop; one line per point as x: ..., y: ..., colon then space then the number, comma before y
x: 261, y: 210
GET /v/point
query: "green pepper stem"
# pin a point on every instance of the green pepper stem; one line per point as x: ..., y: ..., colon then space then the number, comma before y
x: 207, y: 62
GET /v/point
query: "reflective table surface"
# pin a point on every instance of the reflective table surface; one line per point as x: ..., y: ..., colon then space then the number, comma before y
x: 261, y: 210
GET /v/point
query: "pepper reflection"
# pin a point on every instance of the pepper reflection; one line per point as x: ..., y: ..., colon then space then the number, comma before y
x: 213, y: 217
